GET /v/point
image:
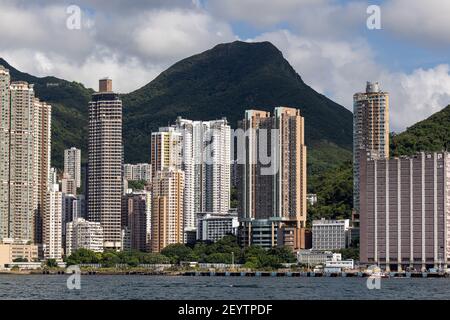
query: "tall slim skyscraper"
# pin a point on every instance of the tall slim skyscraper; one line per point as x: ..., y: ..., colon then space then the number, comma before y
x: 72, y: 165
x: 206, y: 164
x: 52, y: 224
x: 105, y: 159
x: 273, y: 201
x: 25, y: 125
x: 167, y: 208
x: 5, y: 133
x: 370, y: 130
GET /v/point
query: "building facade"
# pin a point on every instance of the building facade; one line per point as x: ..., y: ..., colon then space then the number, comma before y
x: 72, y: 166
x: 167, y: 209
x: 11, y: 250
x: 370, y: 130
x: 272, y: 191
x: 166, y: 150
x: 81, y: 233
x: 105, y: 158
x: 405, y: 211
x: 52, y: 224
x: 138, y: 208
x: 25, y: 129
x: 206, y: 164
x: 213, y: 227
x: 138, y: 172
x: 330, y: 234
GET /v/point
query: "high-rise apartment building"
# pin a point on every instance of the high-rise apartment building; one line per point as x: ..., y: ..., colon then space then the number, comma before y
x: 25, y: 129
x: 105, y: 158
x: 370, y: 130
x: 166, y: 149
x: 52, y: 224
x: 405, y: 211
x: 68, y: 185
x: 137, y: 172
x: 72, y: 165
x: 272, y: 165
x: 167, y: 208
x: 206, y: 164
x: 138, y: 208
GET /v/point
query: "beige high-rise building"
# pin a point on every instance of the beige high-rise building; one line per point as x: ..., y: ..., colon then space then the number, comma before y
x: 72, y: 165
x: 25, y: 130
x: 105, y: 159
x: 273, y: 193
x: 52, y: 224
x: 166, y: 148
x: 167, y: 209
x: 370, y: 130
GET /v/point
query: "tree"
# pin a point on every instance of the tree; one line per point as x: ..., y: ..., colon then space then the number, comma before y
x: 177, y: 252
x: 284, y: 254
x: 82, y: 255
x: 51, y: 263
x: 137, y: 185
x: 21, y: 259
x: 110, y: 259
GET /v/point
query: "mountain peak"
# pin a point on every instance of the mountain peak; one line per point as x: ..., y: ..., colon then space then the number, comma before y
x: 224, y: 82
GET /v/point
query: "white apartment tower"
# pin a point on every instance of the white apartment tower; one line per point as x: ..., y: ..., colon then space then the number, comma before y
x: 206, y: 163
x: 25, y: 133
x: 105, y: 158
x: 370, y: 130
x: 52, y: 224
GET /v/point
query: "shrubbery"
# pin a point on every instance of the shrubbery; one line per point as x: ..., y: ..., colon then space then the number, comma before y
x: 252, y: 257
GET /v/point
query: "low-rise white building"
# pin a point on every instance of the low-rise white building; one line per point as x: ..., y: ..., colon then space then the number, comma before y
x: 329, y: 234
x: 81, y: 233
x: 313, y: 257
x: 213, y: 227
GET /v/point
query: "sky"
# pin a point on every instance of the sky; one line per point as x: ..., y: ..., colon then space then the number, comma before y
x: 326, y: 41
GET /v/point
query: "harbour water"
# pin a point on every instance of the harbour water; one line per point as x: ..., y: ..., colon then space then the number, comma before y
x: 143, y: 287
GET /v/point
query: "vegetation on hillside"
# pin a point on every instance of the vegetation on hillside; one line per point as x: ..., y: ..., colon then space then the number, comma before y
x: 431, y: 134
x: 334, y: 189
x: 137, y: 185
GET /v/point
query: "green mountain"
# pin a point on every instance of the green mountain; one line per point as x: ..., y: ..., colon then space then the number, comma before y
x: 221, y: 82
x: 431, y: 134
x: 224, y: 82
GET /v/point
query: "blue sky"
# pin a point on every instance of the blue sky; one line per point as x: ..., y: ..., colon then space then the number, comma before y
x: 326, y: 41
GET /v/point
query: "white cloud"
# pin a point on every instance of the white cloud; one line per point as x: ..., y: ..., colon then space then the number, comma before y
x: 170, y: 35
x: 136, y: 46
x: 134, y: 43
x: 421, y: 21
x: 338, y: 69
